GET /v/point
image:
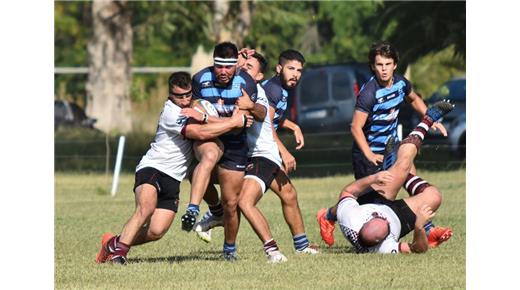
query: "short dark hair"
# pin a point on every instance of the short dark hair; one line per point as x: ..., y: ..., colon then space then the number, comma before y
x: 261, y: 59
x: 179, y: 79
x: 383, y: 48
x: 290, y: 54
x: 225, y: 50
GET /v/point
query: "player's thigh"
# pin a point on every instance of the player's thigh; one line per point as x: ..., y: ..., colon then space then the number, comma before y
x: 250, y: 193
x: 282, y: 186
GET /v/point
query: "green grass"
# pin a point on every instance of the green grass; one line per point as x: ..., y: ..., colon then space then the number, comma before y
x: 84, y: 210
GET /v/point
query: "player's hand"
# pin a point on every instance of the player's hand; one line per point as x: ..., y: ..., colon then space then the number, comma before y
x: 244, y: 54
x: 298, y: 135
x: 289, y: 162
x: 423, y: 215
x: 376, y: 159
x: 240, y: 119
x: 437, y: 126
x: 192, y: 113
x: 384, y: 177
x: 244, y: 102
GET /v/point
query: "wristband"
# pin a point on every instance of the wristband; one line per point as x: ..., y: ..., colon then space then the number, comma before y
x: 205, y: 118
x: 245, y: 120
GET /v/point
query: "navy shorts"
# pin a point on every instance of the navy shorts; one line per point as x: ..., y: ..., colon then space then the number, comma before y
x: 166, y: 186
x: 262, y: 170
x: 362, y: 167
x: 402, y: 210
x: 235, y: 152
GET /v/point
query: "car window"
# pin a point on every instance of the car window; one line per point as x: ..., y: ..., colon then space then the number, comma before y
x: 313, y: 88
x: 454, y: 90
x: 342, y: 87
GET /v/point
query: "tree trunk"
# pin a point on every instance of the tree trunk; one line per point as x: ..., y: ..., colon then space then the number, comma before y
x: 110, y: 54
x: 243, y: 23
x: 221, y: 9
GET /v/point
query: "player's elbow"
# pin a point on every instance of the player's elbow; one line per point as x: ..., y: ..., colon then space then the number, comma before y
x: 419, y: 248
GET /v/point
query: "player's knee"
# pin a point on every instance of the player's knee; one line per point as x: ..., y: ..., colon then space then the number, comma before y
x: 210, y: 157
x: 289, y: 196
x: 434, y: 196
x: 156, y: 233
x: 230, y: 205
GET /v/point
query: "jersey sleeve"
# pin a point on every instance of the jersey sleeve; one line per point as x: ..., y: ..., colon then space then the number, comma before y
x: 366, y: 100
x: 249, y: 86
x: 172, y: 121
x: 348, y: 208
x: 408, y: 87
x: 262, y: 99
x: 195, y: 87
x: 273, y: 94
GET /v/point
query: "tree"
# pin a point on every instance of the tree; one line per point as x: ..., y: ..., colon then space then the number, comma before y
x: 420, y: 28
x: 110, y: 55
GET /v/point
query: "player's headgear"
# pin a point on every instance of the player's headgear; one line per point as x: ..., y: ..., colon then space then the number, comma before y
x: 225, y: 53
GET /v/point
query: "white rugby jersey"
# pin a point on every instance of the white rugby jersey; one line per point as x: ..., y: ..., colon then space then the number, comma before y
x: 260, y: 135
x: 170, y: 152
x: 352, y: 216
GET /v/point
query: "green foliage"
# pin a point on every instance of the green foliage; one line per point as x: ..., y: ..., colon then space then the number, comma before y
x: 278, y: 26
x: 72, y: 29
x: 180, y: 261
x: 430, y: 71
x: 347, y: 30
x: 166, y: 33
x: 423, y: 27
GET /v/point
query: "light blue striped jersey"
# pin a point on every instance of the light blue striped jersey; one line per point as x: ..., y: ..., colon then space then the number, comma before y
x: 277, y: 97
x: 382, y: 105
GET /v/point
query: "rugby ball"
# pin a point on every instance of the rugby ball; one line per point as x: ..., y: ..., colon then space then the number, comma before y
x: 204, y: 107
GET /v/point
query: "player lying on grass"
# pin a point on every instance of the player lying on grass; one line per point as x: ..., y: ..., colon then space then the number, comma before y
x: 160, y: 172
x: 377, y: 224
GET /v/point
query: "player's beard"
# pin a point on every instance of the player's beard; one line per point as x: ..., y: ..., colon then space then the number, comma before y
x: 285, y: 82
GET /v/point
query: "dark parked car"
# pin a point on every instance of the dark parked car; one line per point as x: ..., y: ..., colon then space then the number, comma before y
x: 71, y: 115
x: 454, y: 122
x: 325, y: 98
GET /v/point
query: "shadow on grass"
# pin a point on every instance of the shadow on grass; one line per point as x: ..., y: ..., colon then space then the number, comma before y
x: 338, y: 250
x: 199, y: 256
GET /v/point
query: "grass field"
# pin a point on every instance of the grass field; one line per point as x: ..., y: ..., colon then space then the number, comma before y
x: 84, y: 210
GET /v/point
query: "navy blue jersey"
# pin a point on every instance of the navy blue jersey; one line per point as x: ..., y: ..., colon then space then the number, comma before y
x: 205, y: 86
x: 277, y: 97
x: 382, y: 105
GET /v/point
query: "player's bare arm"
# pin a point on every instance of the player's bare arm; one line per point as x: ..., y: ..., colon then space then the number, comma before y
x: 360, y: 186
x: 244, y: 103
x: 420, y: 241
x: 420, y: 107
x: 358, y: 121
x: 298, y: 135
x: 197, y: 131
